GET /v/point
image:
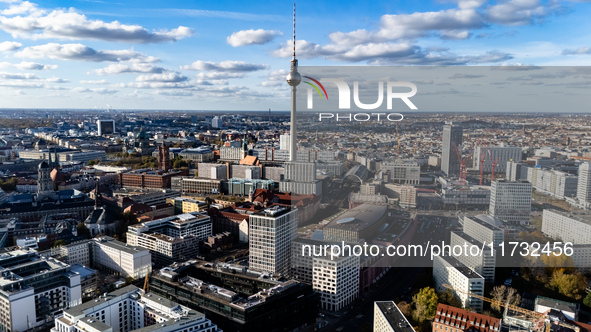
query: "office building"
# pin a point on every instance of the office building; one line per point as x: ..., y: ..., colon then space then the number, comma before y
x: 452, y: 140
x: 499, y: 155
x: 105, y: 127
x: 484, y: 263
x: 238, y: 298
x: 130, y: 309
x: 33, y: 288
x: 217, y: 122
x: 284, y: 142
x: 119, y: 258
x: 270, y: 233
x: 213, y: 171
x: 171, y: 239
x: 515, y: 171
x: 196, y: 185
x: 336, y: 279
x: 300, y: 178
x: 448, y: 318
x: 511, y: 201
x: 388, y: 318
x: 450, y: 271
x: 484, y: 228
x: 149, y: 178
x: 572, y: 227
x: 403, y: 171
x: 465, y: 197
x: 243, y: 187
x: 406, y: 195
x: 584, y: 185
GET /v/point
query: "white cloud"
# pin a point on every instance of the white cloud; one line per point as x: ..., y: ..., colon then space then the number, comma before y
x: 224, y: 66
x: 57, y: 80
x: 94, y: 82
x: 18, y: 76
x: 580, y: 50
x: 276, y: 78
x: 101, y: 91
x: 516, y: 12
x: 21, y: 8
x: 27, y: 66
x: 216, y: 75
x: 81, y: 52
x: 252, y: 37
x: 69, y: 24
x: 9, y: 46
x: 164, y: 77
x: 131, y: 68
x: 455, y: 34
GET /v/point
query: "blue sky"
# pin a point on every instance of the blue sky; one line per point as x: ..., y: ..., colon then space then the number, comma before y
x: 233, y: 55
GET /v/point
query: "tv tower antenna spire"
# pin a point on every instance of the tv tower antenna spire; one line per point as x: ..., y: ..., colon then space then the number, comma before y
x: 293, y: 79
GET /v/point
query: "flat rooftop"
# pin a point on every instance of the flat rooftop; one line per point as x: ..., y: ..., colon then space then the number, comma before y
x: 397, y: 320
x: 463, y: 269
x: 579, y: 215
x: 111, y: 242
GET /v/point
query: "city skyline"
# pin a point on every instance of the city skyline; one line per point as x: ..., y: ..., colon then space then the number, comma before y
x: 234, y: 55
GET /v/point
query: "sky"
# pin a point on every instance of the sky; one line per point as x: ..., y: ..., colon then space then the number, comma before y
x: 234, y: 55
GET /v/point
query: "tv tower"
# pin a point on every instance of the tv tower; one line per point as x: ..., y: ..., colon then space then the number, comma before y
x: 293, y: 79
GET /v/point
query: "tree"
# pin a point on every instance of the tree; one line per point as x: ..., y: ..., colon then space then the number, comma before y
x: 587, y: 300
x: 405, y: 308
x: 562, y: 262
x: 92, y: 162
x: 82, y: 230
x: 570, y: 285
x: 425, y: 303
x: 498, y: 294
x: 59, y: 243
x: 448, y: 297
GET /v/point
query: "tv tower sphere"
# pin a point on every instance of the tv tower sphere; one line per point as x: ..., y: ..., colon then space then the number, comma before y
x: 294, y: 78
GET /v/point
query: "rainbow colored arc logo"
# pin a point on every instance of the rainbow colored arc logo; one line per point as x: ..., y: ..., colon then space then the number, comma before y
x: 316, y: 87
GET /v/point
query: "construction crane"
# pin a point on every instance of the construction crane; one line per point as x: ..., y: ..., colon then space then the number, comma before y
x: 147, y: 283
x: 482, y: 159
x: 494, y: 163
x: 462, y: 166
x: 537, y: 318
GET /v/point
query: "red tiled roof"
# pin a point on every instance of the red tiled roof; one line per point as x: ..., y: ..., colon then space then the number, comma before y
x: 452, y: 316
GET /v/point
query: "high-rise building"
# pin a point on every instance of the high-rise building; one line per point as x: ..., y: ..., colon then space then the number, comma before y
x: 217, y: 122
x: 450, y: 271
x: 567, y: 227
x: 452, y: 139
x: 584, y: 185
x: 499, y: 154
x: 484, y: 263
x: 33, y: 288
x: 105, y: 127
x: 336, y: 279
x: 284, y: 142
x: 388, y: 318
x: 515, y: 171
x: 484, y: 228
x: 300, y: 178
x: 511, y: 201
x: 270, y: 233
x: 130, y: 309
